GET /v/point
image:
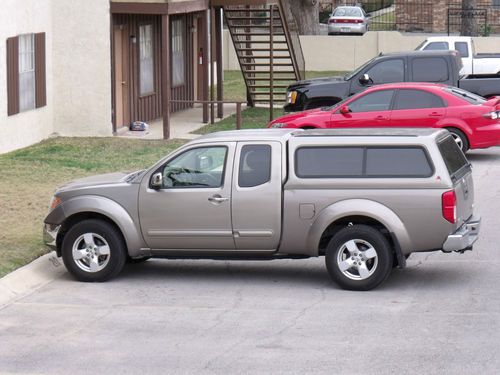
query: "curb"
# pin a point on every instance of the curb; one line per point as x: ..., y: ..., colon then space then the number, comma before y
x: 29, y: 278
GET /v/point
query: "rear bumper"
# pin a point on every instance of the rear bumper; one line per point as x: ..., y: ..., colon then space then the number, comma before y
x: 464, y: 237
x: 347, y: 28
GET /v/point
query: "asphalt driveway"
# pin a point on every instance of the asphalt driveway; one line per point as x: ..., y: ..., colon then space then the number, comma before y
x: 440, y: 315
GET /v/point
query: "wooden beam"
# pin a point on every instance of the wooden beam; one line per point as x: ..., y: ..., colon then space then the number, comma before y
x: 181, y: 7
x: 138, y: 8
x: 218, y: 58
x: 206, y: 62
x: 165, y: 74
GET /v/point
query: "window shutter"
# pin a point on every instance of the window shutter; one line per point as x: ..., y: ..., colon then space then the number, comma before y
x: 12, y: 76
x: 40, y: 83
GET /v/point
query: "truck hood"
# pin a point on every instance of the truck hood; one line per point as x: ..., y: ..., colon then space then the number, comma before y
x: 316, y: 81
x: 97, y: 180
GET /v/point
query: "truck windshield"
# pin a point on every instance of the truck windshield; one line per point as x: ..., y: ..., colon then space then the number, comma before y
x: 467, y: 96
x: 348, y: 76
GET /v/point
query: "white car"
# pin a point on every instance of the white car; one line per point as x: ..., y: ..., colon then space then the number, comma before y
x: 473, y: 63
x: 348, y: 20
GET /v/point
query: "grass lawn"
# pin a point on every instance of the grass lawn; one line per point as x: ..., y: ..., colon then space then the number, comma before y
x: 234, y: 89
x: 30, y: 176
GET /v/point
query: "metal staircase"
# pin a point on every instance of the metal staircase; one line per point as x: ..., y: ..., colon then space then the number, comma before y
x: 268, y: 49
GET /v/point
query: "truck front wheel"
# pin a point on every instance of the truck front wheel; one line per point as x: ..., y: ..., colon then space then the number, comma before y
x: 93, y: 250
x: 359, y: 257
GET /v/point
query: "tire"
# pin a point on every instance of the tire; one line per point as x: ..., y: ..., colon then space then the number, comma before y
x: 93, y: 250
x: 460, y: 138
x: 354, y: 246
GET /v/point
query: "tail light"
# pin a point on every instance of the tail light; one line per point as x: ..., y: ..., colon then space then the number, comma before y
x: 493, y: 115
x: 339, y: 20
x: 449, y: 203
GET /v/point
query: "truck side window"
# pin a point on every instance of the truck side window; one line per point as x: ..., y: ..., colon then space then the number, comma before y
x: 375, y: 101
x: 430, y: 69
x: 255, y: 165
x: 329, y: 162
x: 462, y: 49
x: 415, y: 99
x: 201, y: 167
x: 437, y: 46
x: 397, y: 162
x: 387, y: 71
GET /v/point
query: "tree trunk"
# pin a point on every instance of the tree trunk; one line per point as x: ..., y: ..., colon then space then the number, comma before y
x: 469, y: 23
x: 306, y: 15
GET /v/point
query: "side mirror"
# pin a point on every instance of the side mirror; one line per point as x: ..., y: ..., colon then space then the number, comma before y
x: 344, y: 110
x: 157, y: 181
x: 364, y: 79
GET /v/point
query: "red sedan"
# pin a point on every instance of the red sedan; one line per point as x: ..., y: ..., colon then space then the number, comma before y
x: 473, y: 120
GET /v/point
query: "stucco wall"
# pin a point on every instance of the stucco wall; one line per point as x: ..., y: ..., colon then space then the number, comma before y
x: 31, y: 126
x: 323, y: 52
x: 82, y: 67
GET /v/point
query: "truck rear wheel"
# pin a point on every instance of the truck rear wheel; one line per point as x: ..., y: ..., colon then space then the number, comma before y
x: 359, y: 257
x: 93, y: 250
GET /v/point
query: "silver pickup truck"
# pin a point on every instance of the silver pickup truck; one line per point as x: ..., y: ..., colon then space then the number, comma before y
x: 364, y: 198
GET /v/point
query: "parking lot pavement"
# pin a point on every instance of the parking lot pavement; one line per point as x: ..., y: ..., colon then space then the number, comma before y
x: 440, y: 315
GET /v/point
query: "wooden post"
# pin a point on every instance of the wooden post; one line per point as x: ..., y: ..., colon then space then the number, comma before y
x: 212, y: 73
x: 218, y: 58
x: 271, y: 62
x: 206, y: 62
x: 165, y: 76
x: 238, y: 116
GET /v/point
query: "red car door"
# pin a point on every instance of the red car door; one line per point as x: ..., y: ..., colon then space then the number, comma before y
x: 369, y: 110
x: 417, y: 108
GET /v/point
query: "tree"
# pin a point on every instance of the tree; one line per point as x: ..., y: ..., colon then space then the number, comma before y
x: 469, y: 23
x: 306, y: 15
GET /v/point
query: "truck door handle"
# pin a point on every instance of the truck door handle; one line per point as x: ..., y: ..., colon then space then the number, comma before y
x: 216, y: 199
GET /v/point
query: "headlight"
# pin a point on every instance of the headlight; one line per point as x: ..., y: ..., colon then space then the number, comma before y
x: 291, y: 97
x: 54, y: 202
x: 279, y: 125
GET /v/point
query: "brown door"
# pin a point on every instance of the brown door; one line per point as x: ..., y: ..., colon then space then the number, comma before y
x: 122, y: 109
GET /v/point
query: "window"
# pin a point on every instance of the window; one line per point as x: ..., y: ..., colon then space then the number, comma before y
x: 375, y: 101
x: 26, y: 72
x: 454, y: 158
x: 430, y: 69
x: 356, y: 162
x: 397, y: 162
x: 415, y: 99
x: 178, y: 49
x: 496, y: 4
x: 146, y: 70
x: 387, y: 71
x: 255, y: 165
x: 467, y: 96
x: 196, y: 168
x: 347, y: 12
x: 462, y: 48
x: 437, y: 46
x: 321, y: 162
x: 26, y: 87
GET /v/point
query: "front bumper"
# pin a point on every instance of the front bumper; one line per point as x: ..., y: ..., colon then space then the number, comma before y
x: 464, y: 237
x: 50, y: 232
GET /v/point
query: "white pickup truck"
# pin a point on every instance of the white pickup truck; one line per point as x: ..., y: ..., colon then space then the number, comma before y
x: 473, y: 63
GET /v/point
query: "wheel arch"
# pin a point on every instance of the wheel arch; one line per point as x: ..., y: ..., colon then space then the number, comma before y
x: 94, y: 207
x: 357, y: 211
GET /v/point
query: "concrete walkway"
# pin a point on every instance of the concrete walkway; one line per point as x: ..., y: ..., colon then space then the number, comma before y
x: 182, y: 123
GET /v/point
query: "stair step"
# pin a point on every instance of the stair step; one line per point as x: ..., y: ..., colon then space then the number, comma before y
x: 257, y: 34
x: 280, y: 26
x: 287, y: 57
x: 254, y: 18
x: 289, y: 79
x: 268, y: 93
x: 267, y: 100
x: 267, y: 86
x: 266, y: 64
x: 263, y: 49
x: 260, y: 41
